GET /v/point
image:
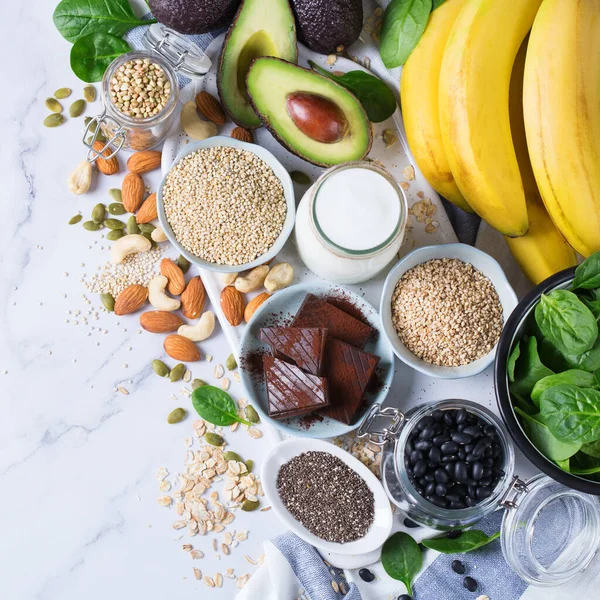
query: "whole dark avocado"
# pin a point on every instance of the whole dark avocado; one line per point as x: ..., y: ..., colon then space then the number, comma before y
x: 328, y: 26
x: 194, y: 16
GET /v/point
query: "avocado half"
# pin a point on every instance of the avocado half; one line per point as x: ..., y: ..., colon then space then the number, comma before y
x: 311, y: 115
x: 260, y: 28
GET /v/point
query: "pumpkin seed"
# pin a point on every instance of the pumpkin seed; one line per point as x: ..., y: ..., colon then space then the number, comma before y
x: 108, y: 301
x: 198, y: 383
x: 115, y: 194
x: 116, y: 209
x: 183, y: 263
x: 75, y: 219
x: 229, y: 455
x: 214, y: 439
x: 132, y: 226
x: 300, y: 177
x: 115, y: 234
x: 176, y: 416
x: 177, y: 372
x: 159, y: 367
x: 54, y: 105
x: 89, y: 93
x: 91, y: 226
x: 54, y: 120
x: 231, y: 363
x: 114, y: 224
x: 250, y: 505
x: 77, y: 108
x: 249, y: 465
x: 251, y: 414
x: 62, y: 93
x: 146, y: 227
x: 98, y: 213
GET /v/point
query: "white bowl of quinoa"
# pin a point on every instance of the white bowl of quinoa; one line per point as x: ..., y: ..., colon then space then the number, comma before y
x: 443, y: 309
x: 226, y: 205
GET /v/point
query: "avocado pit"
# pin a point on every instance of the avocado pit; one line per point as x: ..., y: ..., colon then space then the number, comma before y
x: 317, y: 117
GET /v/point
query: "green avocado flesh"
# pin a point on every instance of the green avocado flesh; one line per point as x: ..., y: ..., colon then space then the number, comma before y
x: 272, y: 82
x: 260, y: 28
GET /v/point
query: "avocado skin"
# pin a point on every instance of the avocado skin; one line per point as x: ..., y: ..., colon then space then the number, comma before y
x: 323, y: 25
x: 194, y: 16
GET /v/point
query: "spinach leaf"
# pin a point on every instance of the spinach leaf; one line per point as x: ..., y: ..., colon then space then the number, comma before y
x: 592, y: 449
x: 551, y: 356
x: 377, y: 99
x: 587, y: 274
x: 565, y: 465
x: 75, y: 19
x: 582, y: 379
x: 594, y: 306
x: 216, y: 406
x: 583, y: 464
x: 401, y: 558
x: 528, y: 370
x: 512, y: 360
x: 588, y: 361
x: 470, y: 540
x: 572, y: 414
x: 566, y: 321
x: 544, y: 441
x: 404, y: 22
x: 91, y: 55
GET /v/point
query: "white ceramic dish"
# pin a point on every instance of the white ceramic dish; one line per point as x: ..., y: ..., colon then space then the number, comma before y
x: 282, y: 306
x: 382, y: 522
x: 280, y: 173
x: 480, y: 260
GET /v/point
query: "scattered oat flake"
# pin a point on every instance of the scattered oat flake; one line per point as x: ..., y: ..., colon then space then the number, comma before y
x: 219, y: 371
x: 234, y: 426
x: 187, y: 376
x: 236, y: 377
x: 197, y: 573
x: 188, y: 441
x: 265, y: 509
x: 255, y: 433
x: 408, y: 172
x: 209, y: 581
x: 123, y: 391
x: 179, y: 524
x: 215, y: 544
x: 196, y: 554
x: 161, y: 473
x: 225, y: 549
x: 225, y: 383
x: 165, y: 486
x: 218, y: 580
x: 165, y: 500
x: 249, y: 559
x: 187, y: 547
x: 242, y: 581
x: 241, y: 536
x: 404, y: 185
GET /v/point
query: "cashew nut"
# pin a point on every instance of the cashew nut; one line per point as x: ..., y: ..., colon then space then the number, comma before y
x: 81, y: 178
x: 279, y: 277
x: 201, y: 330
x: 228, y: 278
x: 193, y: 125
x: 253, y: 281
x: 128, y: 244
x: 158, y: 235
x: 157, y: 296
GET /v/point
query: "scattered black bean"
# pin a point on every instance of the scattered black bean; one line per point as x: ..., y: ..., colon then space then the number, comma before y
x: 454, y: 534
x: 458, y: 567
x: 405, y: 597
x: 470, y: 584
x: 366, y: 575
x: 410, y: 524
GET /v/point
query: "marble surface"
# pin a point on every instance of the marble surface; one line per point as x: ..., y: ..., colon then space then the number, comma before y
x: 78, y: 511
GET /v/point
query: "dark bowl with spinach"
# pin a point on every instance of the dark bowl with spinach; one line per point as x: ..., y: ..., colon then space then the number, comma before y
x: 547, y: 376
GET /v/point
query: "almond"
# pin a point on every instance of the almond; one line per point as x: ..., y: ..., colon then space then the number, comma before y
x: 148, y: 211
x: 192, y: 300
x: 108, y: 166
x: 232, y: 305
x: 132, y: 192
x: 253, y: 305
x: 174, y: 274
x: 244, y: 135
x: 160, y: 321
x: 145, y: 161
x: 130, y: 299
x: 180, y: 348
x: 211, y: 108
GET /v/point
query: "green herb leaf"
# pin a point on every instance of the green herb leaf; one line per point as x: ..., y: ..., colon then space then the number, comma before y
x: 528, y: 370
x: 75, y: 19
x: 215, y: 406
x: 376, y: 97
x: 470, y: 540
x: 588, y: 361
x: 565, y: 465
x: 512, y: 360
x: 583, y: 464
x: 587, y: 274
x: 404, y: 22
x: 577, y: 377
x: 592, y: 449
x: 91, y: 55
x: 572, y: 414
x: 402, y: 558
x: 566, y: 321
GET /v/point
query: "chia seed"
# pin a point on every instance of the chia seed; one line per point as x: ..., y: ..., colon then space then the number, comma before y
x: 330, y: 499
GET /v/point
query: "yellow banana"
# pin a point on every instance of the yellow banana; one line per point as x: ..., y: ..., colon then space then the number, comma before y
x: 474, y: 118
x: 419, y: 87
x: 562, y: 116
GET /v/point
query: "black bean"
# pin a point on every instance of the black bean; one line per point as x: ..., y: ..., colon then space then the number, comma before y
x: 460, y: 489
x: 427, y: 433
x: 441, y: 476
x: 458, y: 567
x: 410, y: 524
x: 431, y: 488
x: 404, y: 597
x: 460, y: 472
x: 438, y: 415
x: 438, y: 440
x: 429, y: 477
x: 420, y: 468
x: 481, y: 446
x: 469, y: 448
x: 462, y: 455
x: 366, y: 575
x: 450, y: 458
x: 461, y: 416
x: 485, y: 481
x: 470, y: 502
x: 454, y: 534
x: 473, y: 430
x: 460, y: 437
x: 484, y: 492
x: 423, y: 445
x: 472, y: 491
x: 425, y: 422
x: 449, y: 448
x: 437, y: 501
x: 453, y: 497
x: 422, y: 481
x: 440, y: 489
x: 416, y: 456
x: 477, y: 471
x: 456, y: 505
x: 470, y: 584
x: 435, y: 454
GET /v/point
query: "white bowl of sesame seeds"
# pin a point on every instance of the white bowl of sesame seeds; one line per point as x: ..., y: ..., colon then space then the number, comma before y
x: 443, y: 309
x: 226, y: 205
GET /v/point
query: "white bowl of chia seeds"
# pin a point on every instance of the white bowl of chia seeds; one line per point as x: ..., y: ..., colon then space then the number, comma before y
x: 226, y: 205
x: 443, y: 309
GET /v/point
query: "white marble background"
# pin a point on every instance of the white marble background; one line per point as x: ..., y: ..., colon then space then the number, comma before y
x: 78, y: 512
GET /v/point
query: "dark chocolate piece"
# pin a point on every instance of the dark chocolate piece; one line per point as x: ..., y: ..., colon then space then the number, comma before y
x: 290, y: 391
x: 303, y: 346
x: 348, y: 371
x: 316, y: 312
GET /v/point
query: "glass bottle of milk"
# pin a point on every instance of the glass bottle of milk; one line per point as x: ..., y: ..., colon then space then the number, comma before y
x: 350, y: 223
